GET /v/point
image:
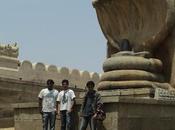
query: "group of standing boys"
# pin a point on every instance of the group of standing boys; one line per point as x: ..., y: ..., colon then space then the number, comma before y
x: 52, y: 103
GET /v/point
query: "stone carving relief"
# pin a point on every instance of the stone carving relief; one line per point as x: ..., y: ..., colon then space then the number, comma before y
x: 9, y: 50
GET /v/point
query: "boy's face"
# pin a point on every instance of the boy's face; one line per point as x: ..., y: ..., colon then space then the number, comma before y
x: 50, y: 85
x: 90, y: 87
x: 65, y: 85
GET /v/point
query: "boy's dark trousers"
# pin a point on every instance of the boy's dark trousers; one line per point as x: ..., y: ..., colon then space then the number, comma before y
x: 66, y: 120
x: 48, y: 119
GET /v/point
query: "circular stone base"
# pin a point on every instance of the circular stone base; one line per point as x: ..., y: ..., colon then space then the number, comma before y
x: 133, y: 63
x: 109, y: 85
x: 127, y: 75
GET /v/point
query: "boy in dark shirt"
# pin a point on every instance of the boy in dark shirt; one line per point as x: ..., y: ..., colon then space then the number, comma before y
x: 89, y: 106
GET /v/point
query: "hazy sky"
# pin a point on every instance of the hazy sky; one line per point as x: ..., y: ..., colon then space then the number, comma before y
x: 59, y: 32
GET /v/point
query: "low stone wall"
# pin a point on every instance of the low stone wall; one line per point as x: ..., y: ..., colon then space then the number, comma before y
x: 21, y: 83
x: 18, y: 91
x: 122, y: 114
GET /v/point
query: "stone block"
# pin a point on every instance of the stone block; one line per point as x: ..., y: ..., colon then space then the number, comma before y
x: 9, y: 62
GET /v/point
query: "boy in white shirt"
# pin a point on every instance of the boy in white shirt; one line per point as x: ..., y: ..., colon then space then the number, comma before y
x: 47, y: 105
x: 66, y: 101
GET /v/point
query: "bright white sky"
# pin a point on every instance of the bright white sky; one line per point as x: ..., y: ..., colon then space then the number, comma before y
x: 59, y: 32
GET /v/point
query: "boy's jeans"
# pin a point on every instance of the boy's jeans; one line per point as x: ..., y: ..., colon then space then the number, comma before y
x: 66, y: 120
x: 87, y: 120
x: 49, y: 120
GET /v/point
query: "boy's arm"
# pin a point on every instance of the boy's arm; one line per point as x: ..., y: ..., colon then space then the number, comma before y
x: 72, y: 104
x: 40, y: 105
x: 99, y: 100
x: 58, y: 107
x: 83, y: 104
x: 72, y: 101
x: 40, y: 101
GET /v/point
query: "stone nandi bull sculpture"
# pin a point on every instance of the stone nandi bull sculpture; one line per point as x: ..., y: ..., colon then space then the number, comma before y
x: 140, y: 43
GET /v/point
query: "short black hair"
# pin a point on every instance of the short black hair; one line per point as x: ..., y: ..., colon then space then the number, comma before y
x: 50, y: 81
x: 90, y: 83
x: 65, y: 81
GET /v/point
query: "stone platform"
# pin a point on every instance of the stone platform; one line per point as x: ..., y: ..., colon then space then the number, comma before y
x: 123, y: 113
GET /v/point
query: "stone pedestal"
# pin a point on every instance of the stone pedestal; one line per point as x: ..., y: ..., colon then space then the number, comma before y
x: 122, y: 114
x: 130, y: 70
x: 140, y: 114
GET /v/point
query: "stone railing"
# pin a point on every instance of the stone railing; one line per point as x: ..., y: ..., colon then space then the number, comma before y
x: 39, y: 72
